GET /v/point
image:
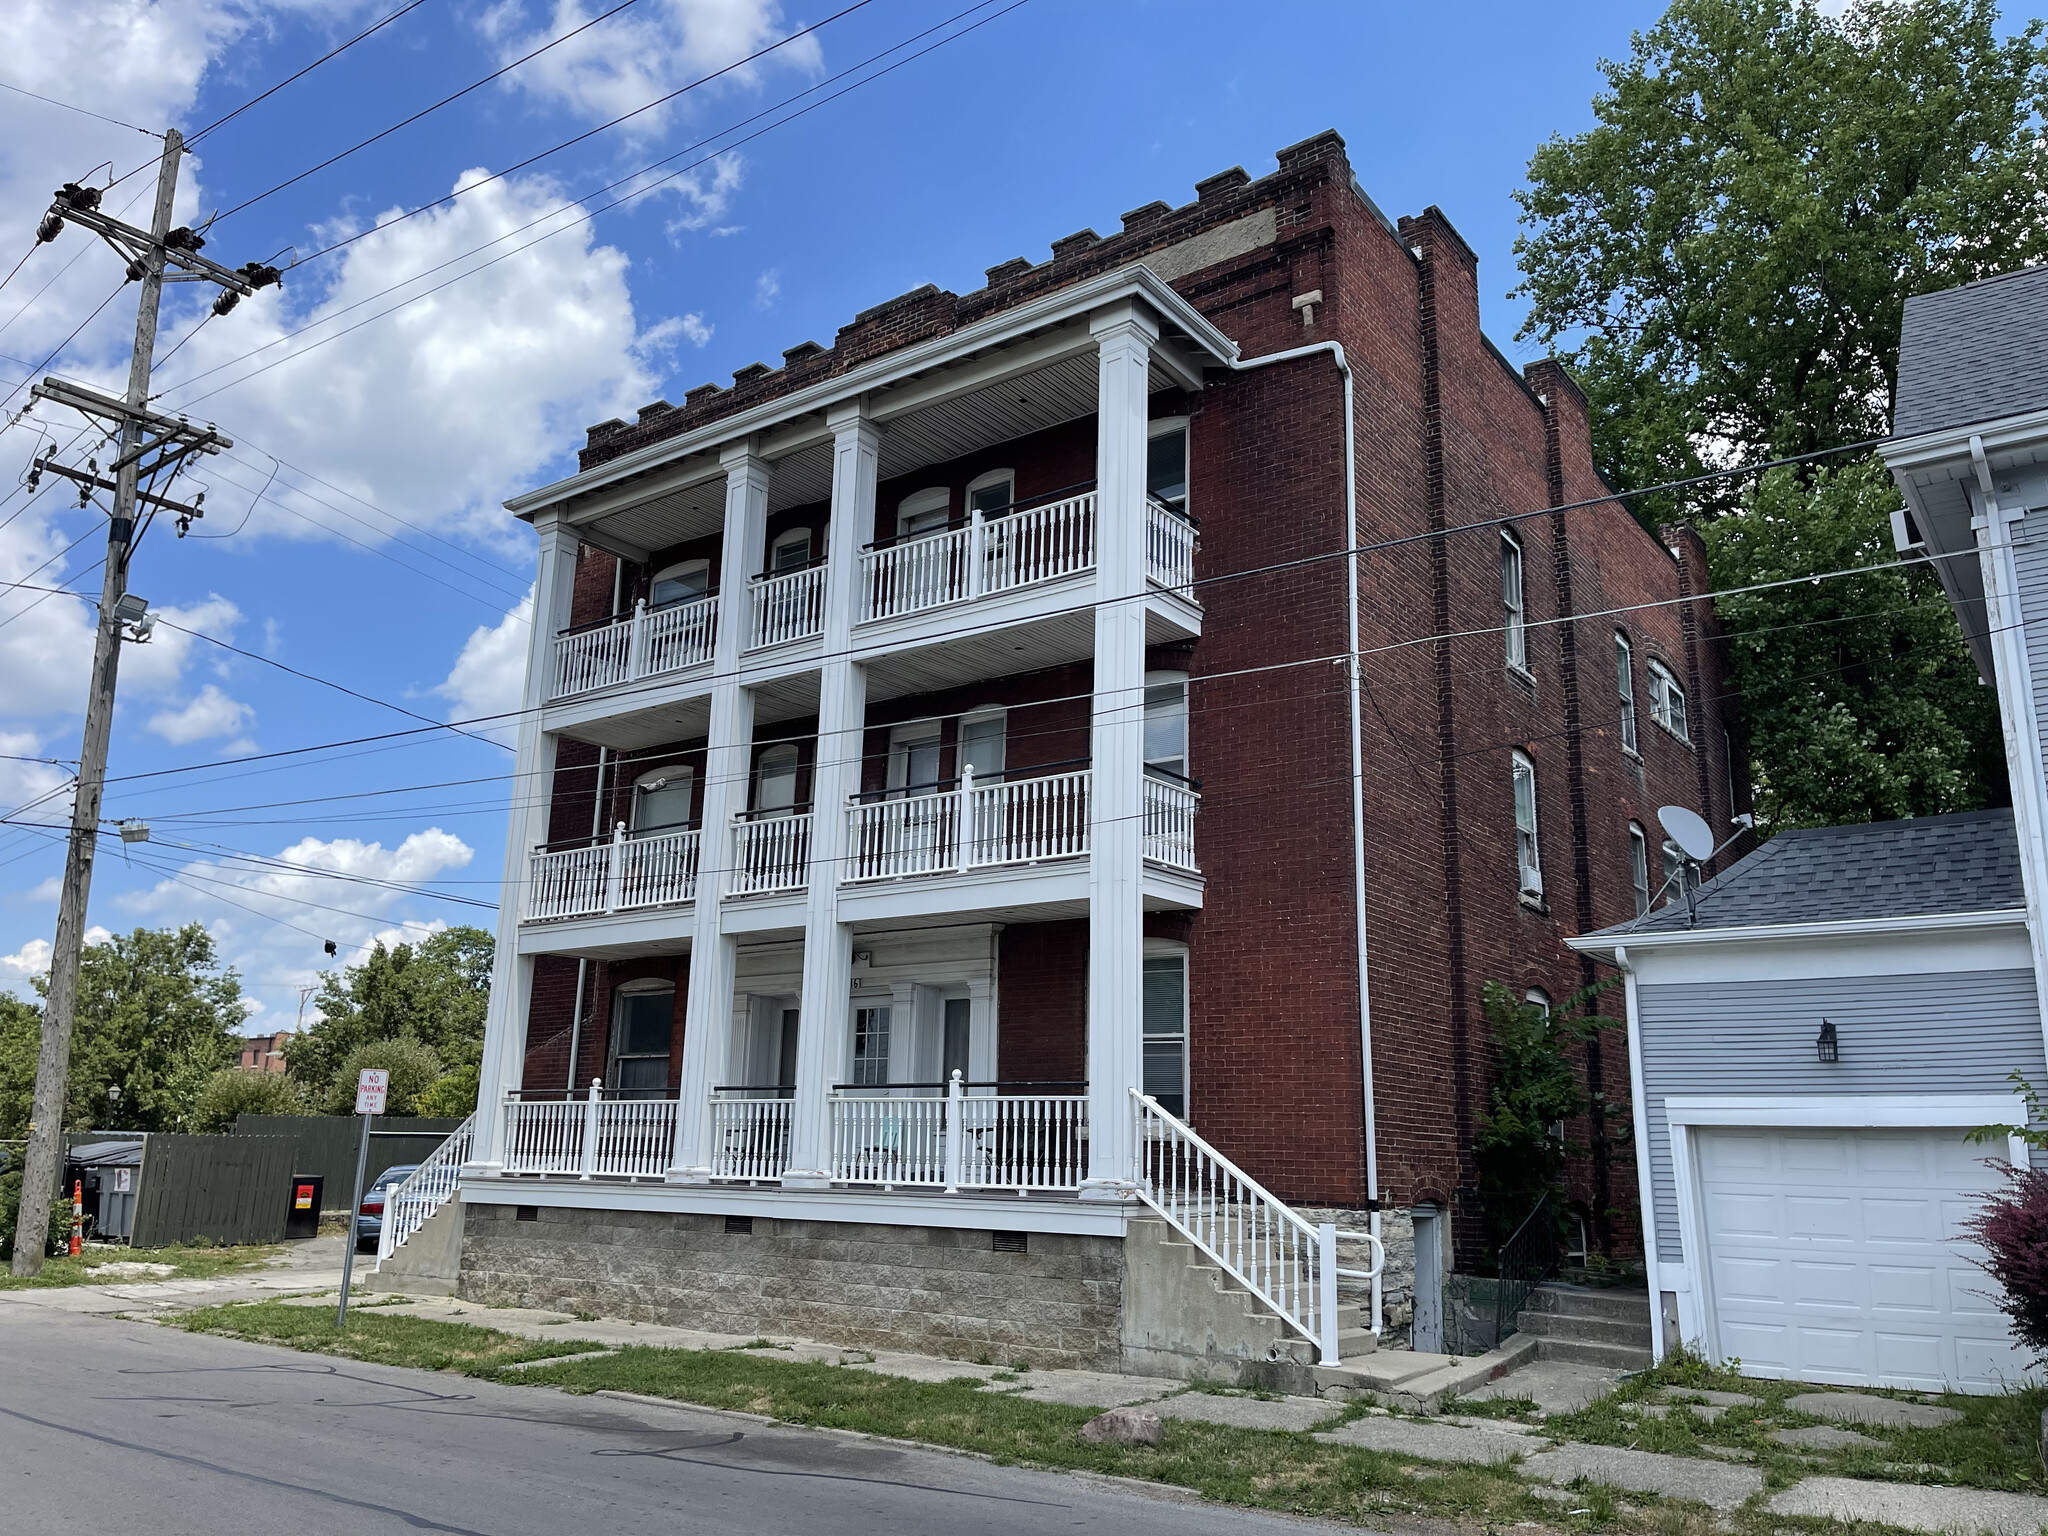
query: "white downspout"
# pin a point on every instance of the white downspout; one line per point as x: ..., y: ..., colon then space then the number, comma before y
x: 1646, y: 1193
x: 1335, y: 349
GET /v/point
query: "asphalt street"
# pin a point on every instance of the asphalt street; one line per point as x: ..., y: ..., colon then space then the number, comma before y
x: 108, y: 1424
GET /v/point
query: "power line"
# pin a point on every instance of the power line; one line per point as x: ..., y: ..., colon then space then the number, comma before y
x: 58, y: 351
x: 84, y: 111
x: 586, y: 215
x: 374, y: 27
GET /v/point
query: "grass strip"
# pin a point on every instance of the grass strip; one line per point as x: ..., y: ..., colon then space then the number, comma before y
x: 194, y: 1262
x: 1262, y: 1469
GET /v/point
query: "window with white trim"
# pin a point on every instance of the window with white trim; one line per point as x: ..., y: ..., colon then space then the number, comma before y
x: 992, y: 492
x: 643, y: 1030
x: 926, y: 511
x: 1639, y: 866
x: 1674, y: 872
x: 983, y: 739
x: 1166, y: 723
x: 790, y: 552
x: 1528, y: 856
x: 1667, y: 701
x: 1625, y: 683
x: 914, y: 751
x: 1514, y: 621
x: 1166, y: 462
x: 775, y: 780
x: 1166, y: 1030
x: 870, y: 1067
x: 683, y: 582
x: 662, y: 798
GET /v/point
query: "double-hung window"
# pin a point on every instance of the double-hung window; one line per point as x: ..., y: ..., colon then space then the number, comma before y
x: 1166, y: 1031
x: 1667, y: 701
x: 1166, y: 724
x: 870, y: 1047
x: 643, y: 1030
x: 1625, y: 683
x: 1674, y: 872
x: 1528, y: 857
x: 1166, y: 463
x: 1639, y: 866
x: 1514, y: 612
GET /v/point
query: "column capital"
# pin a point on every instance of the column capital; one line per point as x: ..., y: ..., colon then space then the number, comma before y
x: 1125, y: 320
x: 743, y: 458
x: 850, y: 414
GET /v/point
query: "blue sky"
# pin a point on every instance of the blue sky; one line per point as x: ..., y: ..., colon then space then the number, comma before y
x: 354, y: 532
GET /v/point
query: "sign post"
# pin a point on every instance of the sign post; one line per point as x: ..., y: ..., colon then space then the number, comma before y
x: 372, y: 1084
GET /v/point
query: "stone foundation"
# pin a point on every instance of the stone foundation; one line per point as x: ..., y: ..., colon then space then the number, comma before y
x: 927, y: 1290
x: 1397, y: 1279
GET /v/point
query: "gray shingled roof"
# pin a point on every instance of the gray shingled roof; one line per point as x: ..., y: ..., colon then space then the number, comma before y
x: 1931, y: 865
x: 1974, y: 353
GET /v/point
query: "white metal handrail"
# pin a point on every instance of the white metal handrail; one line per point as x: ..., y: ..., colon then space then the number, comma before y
x: 1170, y: 549
x: 1042, y: 543
x: 424, y: 1191
x: 770, y: 853
x: 749, y: 1137
x: 1013, y: 821
x: 622, y: 875
x: 650, y: 642
x: 788, y: 607
x: 1170, y: 822
x: 1260, y: 1242
x: 957, y: 1141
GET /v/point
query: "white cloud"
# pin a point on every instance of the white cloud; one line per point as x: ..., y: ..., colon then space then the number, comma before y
x: 210, y: 713
x: 707, y: 201
x: 696, y: 330
x: 768, y: 288
x: 489, y: 677
x: 23, y: 777
x: 629, y: 60
x: 33, y: 958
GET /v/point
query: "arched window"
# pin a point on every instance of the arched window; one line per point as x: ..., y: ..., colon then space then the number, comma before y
x: 992, y: 492
x: 1166, y: 723
x: 1514, y: 619
x: 683, y: 582
x: 791, y: 551
x: 925, y: 511
x: 1625, y: 683
x: 643, y: 1030
x: 775, y: 780
x: 663, y: 798
x: 1528, y: 856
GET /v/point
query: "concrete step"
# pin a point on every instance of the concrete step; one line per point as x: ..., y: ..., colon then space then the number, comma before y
x: 1609, y: 1357
x: 1619, y: 1305
x: 1629, y: 1333
x: 1356, y: 1343
x: 1419, y: 1382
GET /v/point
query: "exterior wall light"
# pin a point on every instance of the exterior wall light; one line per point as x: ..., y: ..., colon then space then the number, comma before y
x: 1829, y: 1045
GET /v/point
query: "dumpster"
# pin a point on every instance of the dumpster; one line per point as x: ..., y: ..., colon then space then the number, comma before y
x: 111, y: 1173
x: 302, y: 1219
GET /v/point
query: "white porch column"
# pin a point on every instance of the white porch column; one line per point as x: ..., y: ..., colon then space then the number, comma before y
x: 533, y: 777
x: 842, y: 715
x: 707, y: 1028
x: 1116, y: 922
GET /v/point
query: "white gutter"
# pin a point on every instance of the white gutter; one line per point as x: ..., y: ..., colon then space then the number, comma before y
x: 1335, y: 350
x: 1646, y: 1194
x: 1848, y: 928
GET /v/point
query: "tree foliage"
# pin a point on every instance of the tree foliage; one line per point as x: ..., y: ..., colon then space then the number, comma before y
x: 414, y: 1068
x: 236, y: 1091
x: 434, y: 993
x: 1728, y: 252
x: 1520, y: 1146
x: 2012, y: 1229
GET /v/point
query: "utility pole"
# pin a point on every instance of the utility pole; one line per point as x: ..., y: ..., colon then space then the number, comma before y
x: 164, y: 442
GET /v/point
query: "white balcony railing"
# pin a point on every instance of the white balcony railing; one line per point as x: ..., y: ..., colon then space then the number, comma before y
x: 591, y: 1135
x: 790, y: 607
x: 1169, y: 549
x: 770, y: 853
x: 1037, y: 544
x: 913, y: 1137
x: 652, y: 641
x: 1170, y: 822
x: 1014, y: 821
x: 628, y: 873
x: 749, y: 1135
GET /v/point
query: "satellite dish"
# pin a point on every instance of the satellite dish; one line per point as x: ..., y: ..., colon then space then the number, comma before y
x: 1688, y: 830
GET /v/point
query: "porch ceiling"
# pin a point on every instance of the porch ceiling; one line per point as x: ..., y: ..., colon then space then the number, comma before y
x: 686, y: 717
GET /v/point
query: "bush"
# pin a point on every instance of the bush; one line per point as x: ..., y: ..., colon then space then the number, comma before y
x: 2013, y: 1231
x: 59, y: 1233
x: 414, y: 1068
x: 452, y: 1096
x: 236, y: 1091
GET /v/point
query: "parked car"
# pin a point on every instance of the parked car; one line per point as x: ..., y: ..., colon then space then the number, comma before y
x: 370, y: 1214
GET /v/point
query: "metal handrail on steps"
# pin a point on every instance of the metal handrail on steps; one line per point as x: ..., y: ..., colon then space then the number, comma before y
x: 425, y: 1190
x: 1526, y: 1261
x: 1287, y: 1262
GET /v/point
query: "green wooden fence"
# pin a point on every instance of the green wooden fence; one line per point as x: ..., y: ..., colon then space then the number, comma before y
x: 213, y: 1189
x: 326, y: 1144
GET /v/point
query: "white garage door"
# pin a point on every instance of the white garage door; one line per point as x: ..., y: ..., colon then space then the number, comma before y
x: 1834, y: 1256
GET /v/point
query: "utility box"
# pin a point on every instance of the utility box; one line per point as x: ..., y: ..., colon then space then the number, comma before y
x: 302, y: 1218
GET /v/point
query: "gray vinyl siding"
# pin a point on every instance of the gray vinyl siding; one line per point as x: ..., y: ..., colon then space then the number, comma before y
x: 2030, y: 562
x: 1954, y: 1032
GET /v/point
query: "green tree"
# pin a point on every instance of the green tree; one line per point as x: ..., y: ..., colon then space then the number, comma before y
x: 434, y: 992
x: 1520, y: 1146
x: 452, y: 1095
x: 414, y: 1068
x: 1728, y: 252
x: 157, y: 1016
x: 236, y: 1091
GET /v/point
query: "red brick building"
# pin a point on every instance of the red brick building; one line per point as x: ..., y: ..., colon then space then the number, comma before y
x: 1076, y: 685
